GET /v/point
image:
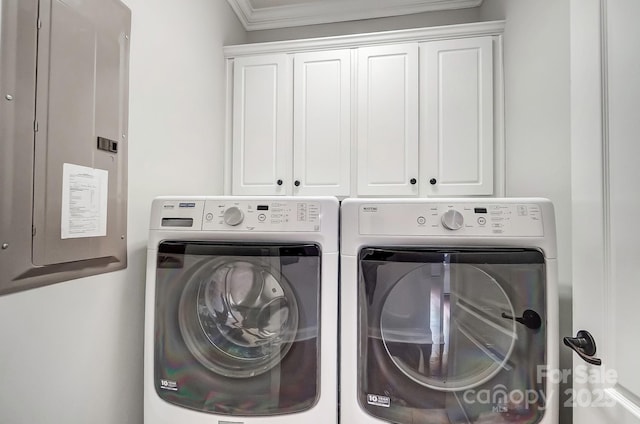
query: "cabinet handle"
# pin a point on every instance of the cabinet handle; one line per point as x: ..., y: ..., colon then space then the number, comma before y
x: 279, y: 182
x: 296, y: 183
x: 413, y: 181
x: 433, y: 181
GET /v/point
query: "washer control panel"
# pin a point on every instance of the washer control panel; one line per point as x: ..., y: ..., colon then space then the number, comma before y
x: 452, y: 219
x: 261, y: 215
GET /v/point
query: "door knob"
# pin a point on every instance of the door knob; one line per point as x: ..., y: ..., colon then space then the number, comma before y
x: 529, y: 319
x: 279, y: 182
x: 584, y: 345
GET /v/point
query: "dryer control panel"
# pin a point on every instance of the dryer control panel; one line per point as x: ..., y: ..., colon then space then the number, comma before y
x: 239, y: 215
x: 260, y: 215
x: 451, y: 219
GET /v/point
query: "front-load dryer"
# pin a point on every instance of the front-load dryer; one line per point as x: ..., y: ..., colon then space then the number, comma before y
x: 241, y: 311
x: 449, y: 311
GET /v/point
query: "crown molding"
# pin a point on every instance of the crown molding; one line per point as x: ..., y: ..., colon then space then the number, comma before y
x: 475, y: 29
x: 326, y: 11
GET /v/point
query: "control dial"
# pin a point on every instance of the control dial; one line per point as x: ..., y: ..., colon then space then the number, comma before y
x: 233, y: 216
x: 452, y: 220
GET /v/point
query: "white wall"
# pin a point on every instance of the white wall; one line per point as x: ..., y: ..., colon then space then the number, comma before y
x: 72, y: 353
x: 538, y: 130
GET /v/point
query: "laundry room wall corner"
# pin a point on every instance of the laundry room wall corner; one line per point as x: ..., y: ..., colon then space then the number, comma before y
x: 537, y: 130
x: 73, y: 353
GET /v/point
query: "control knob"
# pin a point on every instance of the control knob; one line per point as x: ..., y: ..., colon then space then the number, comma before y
x: 233, y: 216
x: 452, y: 220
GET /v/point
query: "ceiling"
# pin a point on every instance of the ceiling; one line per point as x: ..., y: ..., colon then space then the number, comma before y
x: 269, y: 14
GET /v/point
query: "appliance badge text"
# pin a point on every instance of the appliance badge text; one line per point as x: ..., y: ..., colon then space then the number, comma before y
x: 379, y: 400
x: 169, y: 385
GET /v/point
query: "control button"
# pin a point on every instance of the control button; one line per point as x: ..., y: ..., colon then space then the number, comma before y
x: 262, y: 217
x: 209, y: 216
x: 522, y: 210
x: 452, y: 220
x: 421, y: 220
x: 482, y: 220
x: 233, y: 216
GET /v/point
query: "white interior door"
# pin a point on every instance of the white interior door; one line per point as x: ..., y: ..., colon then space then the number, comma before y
x: 606, y: 237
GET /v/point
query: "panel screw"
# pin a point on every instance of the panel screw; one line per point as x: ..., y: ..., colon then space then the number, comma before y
x: 8, y: 97
x: 5, y: 246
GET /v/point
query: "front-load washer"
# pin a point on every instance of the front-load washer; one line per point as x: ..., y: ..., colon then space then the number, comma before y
x: 241, y: 310
x: 449, y: 311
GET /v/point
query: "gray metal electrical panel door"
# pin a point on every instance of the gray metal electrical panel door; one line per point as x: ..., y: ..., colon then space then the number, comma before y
x: 64, y: 179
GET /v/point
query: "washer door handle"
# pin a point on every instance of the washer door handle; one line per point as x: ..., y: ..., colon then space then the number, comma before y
x: 529, y: 319
x: 584, y: 345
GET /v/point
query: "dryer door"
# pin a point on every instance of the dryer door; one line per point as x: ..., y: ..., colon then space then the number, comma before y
x: 444, y: 337
x: 237, y: 327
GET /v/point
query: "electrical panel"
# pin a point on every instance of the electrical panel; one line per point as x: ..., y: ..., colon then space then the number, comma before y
x: 63, y: 155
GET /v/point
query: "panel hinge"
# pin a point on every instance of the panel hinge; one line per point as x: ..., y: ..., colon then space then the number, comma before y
x: 33, y: 231
x: 35, y: 126
x: 39, y: 23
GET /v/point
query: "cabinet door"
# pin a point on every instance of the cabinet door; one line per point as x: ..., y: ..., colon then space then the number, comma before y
x: 456, y: 107
x: 262, y: 125
x: 322, y: 123
x: 388, y: 120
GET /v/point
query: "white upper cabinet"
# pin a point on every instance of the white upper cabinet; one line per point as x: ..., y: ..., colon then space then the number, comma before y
x: 322, y: 123
x: 387, y: 139
x: 292, y: 124
x: 456, y: 117
x: 261, y: 125
x: 407, y: 113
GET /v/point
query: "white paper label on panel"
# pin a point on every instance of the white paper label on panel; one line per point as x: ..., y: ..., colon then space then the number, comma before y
x: 84, y: 201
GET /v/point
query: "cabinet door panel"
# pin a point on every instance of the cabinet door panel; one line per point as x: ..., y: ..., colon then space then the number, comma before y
x: 261, y: 125
x: 388, y: 120
x: 456, y: 140
x: 322, y: 123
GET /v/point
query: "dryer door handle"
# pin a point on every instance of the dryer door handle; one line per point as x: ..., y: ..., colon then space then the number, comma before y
x: 584, y: 345
x: 530, y: 319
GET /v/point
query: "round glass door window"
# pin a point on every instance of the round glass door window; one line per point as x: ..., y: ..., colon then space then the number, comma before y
x: 238, y: 317
x: 442, y: 326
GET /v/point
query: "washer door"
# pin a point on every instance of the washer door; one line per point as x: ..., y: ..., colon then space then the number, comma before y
x: 238, y: 316
x: 439, y: 339
x: 237, y: 327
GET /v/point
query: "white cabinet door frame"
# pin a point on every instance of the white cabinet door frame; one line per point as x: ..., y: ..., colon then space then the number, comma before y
x: 456, y: 86
x: 262, y: 120
x: 322, y: 123
x: 387, y: 119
